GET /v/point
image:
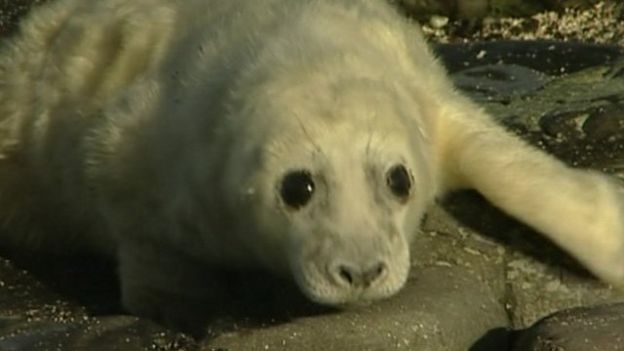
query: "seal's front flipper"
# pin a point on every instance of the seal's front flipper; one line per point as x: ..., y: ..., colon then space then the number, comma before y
x: 580, y: 210
x: 159, y: 283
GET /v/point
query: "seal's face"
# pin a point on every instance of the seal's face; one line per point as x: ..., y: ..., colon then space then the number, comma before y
x: 342, y: 187
x: 346, y: 237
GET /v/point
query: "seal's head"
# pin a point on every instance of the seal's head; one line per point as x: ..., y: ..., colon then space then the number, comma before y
x: 341, y: 177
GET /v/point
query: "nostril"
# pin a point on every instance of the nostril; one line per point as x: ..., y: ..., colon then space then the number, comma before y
x: 357, y: 277
x: 346, y: 274
x: 374, y: 272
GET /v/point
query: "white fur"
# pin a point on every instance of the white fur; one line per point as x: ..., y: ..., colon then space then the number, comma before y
x: 160, y: 131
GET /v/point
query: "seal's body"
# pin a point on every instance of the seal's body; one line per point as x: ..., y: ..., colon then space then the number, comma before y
x: 304, y: 136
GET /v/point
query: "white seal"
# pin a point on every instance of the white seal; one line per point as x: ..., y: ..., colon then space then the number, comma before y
x: 304, y: 136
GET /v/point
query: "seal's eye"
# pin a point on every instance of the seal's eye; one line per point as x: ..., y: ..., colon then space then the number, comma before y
x: 297, y: 188
x: 399, y: 181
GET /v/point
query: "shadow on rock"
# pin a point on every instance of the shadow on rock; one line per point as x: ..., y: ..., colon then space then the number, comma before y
x: 494, y: 339
x: 550, y: 57
x: 475, y: 212
x: 256, y: 299
x: 248, y: 299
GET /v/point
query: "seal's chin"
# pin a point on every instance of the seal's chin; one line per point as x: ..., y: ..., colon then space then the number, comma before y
x: 343, y: 289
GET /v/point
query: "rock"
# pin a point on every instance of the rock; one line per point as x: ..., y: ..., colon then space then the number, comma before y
x: 548, y: 57
x: 427, y: 315
x: 539, y: 289
x: 93, y: 334
x: 575, y: 116
x: 33, y: 318
x: 499, y: 83
x: 605, y: 123
x: 599, y: 328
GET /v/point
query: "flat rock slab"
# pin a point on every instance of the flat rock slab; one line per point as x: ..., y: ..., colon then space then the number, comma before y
x: 599, y: 328
x: 430, y: 314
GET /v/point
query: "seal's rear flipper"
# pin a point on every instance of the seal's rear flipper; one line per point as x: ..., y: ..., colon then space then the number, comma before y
x: 580, y: 210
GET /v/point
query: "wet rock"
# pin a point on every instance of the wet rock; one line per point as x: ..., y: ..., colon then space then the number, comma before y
x: 605, y: 123
x: 598, y: 124
x: 575, y: 116
x: 548, y: 57
x: 599, y: 328
x: 499, y: 83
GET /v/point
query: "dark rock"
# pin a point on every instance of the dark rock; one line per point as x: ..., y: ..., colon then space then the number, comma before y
x: 597, y: 124
x: 499, y: 82
x: 605, y: 123
x: 33, y: 318
x: 598, y: 328
x: 549, y: 57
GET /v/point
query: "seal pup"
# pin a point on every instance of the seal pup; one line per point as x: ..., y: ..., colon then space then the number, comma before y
x: 306, y: 137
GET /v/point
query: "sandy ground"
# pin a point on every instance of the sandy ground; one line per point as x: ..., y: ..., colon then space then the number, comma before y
x: 603, y: 22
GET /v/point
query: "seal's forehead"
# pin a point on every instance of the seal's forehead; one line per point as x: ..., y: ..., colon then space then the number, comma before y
x: 355, y: 117
x: 355, y: 106
x: 323, y: 145
x: 319, y: 118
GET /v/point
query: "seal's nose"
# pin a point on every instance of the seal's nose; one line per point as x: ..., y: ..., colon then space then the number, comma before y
x: 358, y: 276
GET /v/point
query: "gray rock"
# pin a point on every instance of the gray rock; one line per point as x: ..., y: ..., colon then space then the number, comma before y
x: 442, y: 308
